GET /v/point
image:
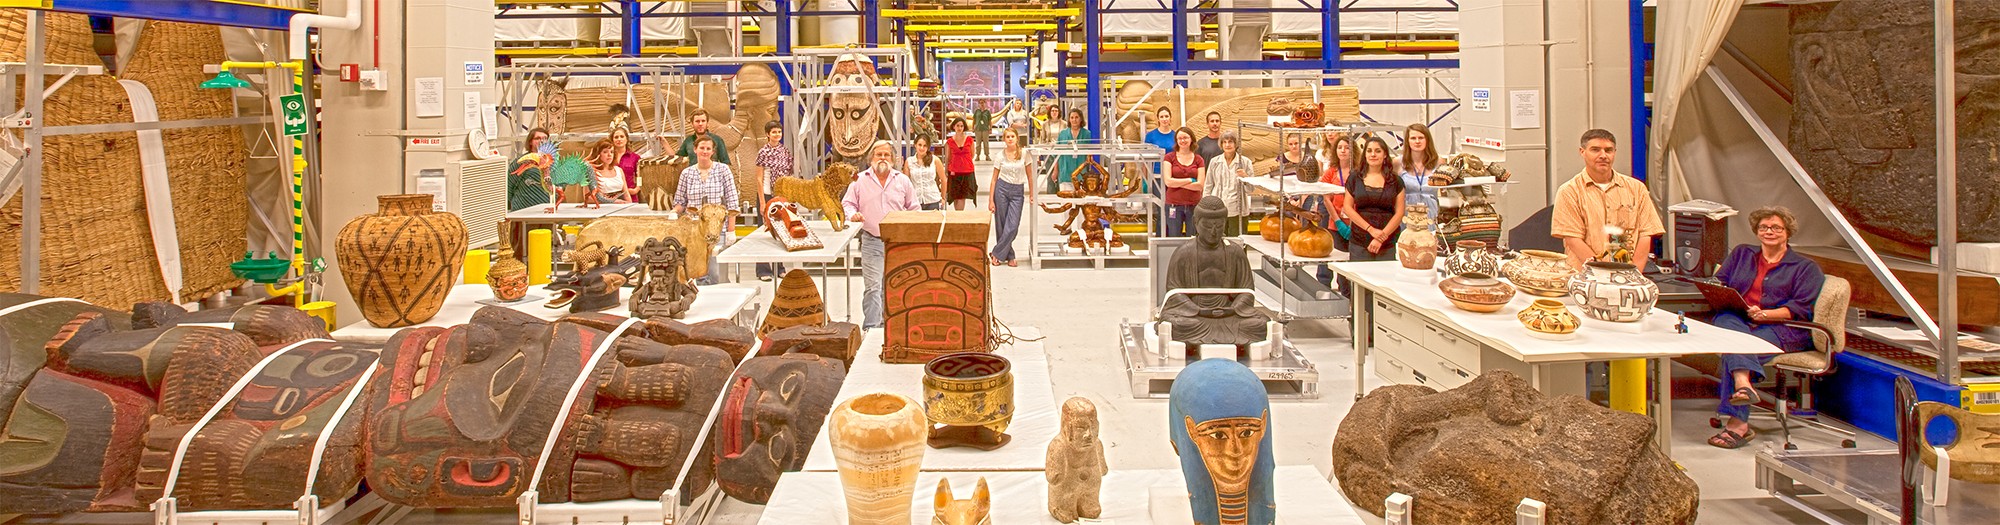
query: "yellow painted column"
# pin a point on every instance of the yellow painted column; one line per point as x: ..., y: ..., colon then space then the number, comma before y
x: 1628, y: 385
x: 477, y: 263
x: 539, y: 263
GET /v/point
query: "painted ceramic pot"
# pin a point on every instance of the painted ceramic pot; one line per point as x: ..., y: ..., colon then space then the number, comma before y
x: 1218, y: 416
x: 1477, y: 292
x: 401, y: 261
x: 1472, y: 257
x: 1276, y: 227
x: 508, y: 277
x: 1549, y: 319
x: 1417, y: 246
x: 972, y: 395
x: 1539, y: 272
x: 878, y: 445
x: 1613, y: 291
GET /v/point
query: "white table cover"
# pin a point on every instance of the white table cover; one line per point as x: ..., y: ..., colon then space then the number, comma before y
x: 720, y: 301
x: 1279, y: 251
x: 759, y: 247
x: 1593, y: 342
x: 571, y: 211
x: 1037, y: 416
x: 815, y: 498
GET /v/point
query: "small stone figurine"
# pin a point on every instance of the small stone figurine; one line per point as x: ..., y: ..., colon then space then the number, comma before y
x: 664, y: 289
x: 972, y: 511
x: 1076, y: 467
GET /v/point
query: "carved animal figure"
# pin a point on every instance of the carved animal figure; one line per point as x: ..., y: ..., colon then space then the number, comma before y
x: 1075, y: 467
x: 595, y: 289
x: 587, y: 257
x: 821, y: 194
x: 971, y: 511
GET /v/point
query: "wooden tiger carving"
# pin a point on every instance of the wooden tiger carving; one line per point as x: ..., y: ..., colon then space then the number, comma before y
x: 820, y: 194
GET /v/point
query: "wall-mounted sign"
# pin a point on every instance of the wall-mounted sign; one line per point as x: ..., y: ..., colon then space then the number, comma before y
x: 1482, y: 99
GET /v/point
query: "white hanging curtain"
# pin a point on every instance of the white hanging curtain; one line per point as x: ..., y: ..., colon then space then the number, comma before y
x: 1690, y: 34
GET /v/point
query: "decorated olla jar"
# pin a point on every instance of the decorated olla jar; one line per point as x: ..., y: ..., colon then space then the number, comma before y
x: 1471, y: 256
x: 1613, y: 291
x: 1416, y: 247
x: 1539, y: 272
x: 1477, y: 292
x: 1549, y: 319
x: 971, y: 394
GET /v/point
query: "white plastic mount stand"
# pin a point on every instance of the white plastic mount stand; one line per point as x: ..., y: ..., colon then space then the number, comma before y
x: 1937, y: 489
x: 1398, y: 509
x: 1530, y: 512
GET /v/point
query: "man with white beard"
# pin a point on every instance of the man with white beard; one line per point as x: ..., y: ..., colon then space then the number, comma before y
x: 876, y: 192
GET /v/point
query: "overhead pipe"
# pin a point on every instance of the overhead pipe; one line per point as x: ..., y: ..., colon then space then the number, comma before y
x: 301, y: 23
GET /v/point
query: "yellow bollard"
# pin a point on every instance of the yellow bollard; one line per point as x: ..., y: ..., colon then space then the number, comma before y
x: 321, y: 309
x: 477, y: 263
x: 571, y: 229
x: 1628, y: 385
x: 539, y: 263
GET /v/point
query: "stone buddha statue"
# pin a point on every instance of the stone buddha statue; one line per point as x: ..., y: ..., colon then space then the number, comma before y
x: 1218, y: 319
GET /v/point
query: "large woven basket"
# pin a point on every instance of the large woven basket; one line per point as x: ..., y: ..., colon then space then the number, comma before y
x: 95, y: 239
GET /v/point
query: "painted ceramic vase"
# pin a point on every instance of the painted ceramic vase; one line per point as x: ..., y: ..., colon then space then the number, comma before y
x: 1613, y: 291
x: 1549, y: 319
x: 1219, y: 418
x: 878, y: 445
x: 1539, y: 272
x: 508, y: 277
x: 401, y: 261
x: 1417, y: 246
x: 1471, y: 256
x: 1477, y: 292
x: 972, y: 395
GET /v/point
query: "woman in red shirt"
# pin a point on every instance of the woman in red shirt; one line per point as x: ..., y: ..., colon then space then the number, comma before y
x: 962, y: 187
x: 1183, y: 184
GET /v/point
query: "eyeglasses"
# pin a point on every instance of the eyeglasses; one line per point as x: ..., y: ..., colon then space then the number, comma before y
x: 1769, y: 228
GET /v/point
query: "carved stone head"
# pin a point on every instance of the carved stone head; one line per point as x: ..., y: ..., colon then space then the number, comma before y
x: 856, y: 117
x: 1079, y: 420
x: 1210, y: 221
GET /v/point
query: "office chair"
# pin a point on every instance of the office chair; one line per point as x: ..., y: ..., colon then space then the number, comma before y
x: 1829, y: 340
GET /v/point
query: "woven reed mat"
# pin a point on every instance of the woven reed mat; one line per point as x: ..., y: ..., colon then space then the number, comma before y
x: 69, y: 38
x: 95, y: 240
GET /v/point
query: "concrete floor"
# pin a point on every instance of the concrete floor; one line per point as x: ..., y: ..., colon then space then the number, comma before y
x: 1077, y: 313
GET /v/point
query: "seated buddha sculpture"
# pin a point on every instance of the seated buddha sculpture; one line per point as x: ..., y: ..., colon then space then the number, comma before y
x: 1212, y: 318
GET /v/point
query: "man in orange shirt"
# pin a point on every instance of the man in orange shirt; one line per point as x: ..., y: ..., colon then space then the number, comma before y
x: 1602, y: 214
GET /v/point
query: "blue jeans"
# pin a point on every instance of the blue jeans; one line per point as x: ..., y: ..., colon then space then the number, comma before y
x: 1007, y: 202
x: 1733, y: 362
x: 1180, y: 221
x: 871, y: 278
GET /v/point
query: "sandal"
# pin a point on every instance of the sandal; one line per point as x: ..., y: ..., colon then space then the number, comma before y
x: 1745, y: 396
x: 1013, y: 264
x: 1729, y: 439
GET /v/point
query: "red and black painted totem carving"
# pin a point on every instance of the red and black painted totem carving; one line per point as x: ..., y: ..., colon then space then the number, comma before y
x: 769, y: 420
x: 936, y: 289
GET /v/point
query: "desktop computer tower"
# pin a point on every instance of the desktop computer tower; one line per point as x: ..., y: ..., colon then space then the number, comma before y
x: 1700, y: 243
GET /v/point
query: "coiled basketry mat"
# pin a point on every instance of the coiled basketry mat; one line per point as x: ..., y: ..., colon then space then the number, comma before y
x: 96, y: 244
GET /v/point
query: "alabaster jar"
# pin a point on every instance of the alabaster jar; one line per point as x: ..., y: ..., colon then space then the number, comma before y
x: 971, y: 394
x: 878, y: 445
x: 1477, y: 292
x: 1472, y: 257
x: 1613, y: 291
x: 1549, y: 319
x: 1539, y: 272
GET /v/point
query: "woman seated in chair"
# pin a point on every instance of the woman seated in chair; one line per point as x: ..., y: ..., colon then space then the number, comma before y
x: 1778, y: 285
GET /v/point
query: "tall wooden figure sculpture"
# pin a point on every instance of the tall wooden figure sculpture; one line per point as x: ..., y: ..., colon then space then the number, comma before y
x: 1220, y: 416
x: 1076, y: 468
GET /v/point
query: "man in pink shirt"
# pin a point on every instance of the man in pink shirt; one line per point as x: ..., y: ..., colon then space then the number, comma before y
x: 876, y: 192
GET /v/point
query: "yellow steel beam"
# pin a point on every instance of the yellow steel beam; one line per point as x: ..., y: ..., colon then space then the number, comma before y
x: 965, y: 45
x: 942, y: 15
x: 1001, y: 54
x: 1010, y: 27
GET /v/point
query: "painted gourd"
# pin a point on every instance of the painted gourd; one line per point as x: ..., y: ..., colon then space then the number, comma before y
x: 1313, y: 241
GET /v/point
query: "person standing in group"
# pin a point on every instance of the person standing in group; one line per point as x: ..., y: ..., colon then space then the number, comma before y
x: 1222, y: 179
x: 1010, y: 195
x: 1073, y: 133
x: 604, y: 169
x: 1338, y: 148
x: 927, y: 175
x: 982, y: 131
x: 1374, y: 206
x: 876, y: 192
x: 1052, y: 124
x: 1183, y: 183
x: 1420, y: 158
x: 1295, y: 159
x: 1162, y: 134
x: 1211, y: 145
x: 961, y: 187
x: 1600, y: 204
x: 773, y: 162
x: 707, y: 181
x: 697, y: 128
x: 1019, y: 121
x: 628, y: 161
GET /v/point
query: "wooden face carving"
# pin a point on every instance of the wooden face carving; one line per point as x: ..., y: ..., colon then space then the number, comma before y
x: 936, y: 298
x: 1228, y: 447
x: 770, y: 417
x: 854, y: 119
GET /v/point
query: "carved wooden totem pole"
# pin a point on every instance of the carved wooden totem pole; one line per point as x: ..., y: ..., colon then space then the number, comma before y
x: 937, y: 293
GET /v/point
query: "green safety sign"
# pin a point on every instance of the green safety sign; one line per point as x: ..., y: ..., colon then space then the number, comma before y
x: 295, y: 113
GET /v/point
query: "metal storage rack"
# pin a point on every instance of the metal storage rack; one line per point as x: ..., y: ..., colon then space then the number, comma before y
x: 1283, y: 280
x: 1041, y: 251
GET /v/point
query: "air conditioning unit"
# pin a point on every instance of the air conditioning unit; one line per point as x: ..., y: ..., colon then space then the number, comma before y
x: 476, y: 190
